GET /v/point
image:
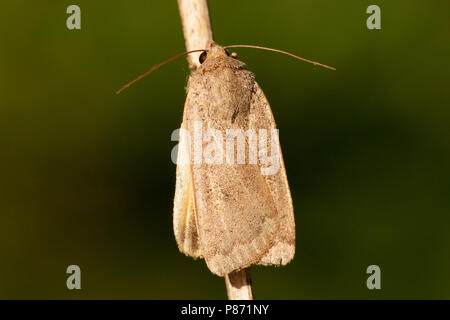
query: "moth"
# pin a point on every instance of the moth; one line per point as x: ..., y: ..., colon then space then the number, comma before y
x: 232, y: 214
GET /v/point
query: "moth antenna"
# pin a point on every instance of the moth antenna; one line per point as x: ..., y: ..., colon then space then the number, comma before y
x: 280, y: 51
x: 156, y: 67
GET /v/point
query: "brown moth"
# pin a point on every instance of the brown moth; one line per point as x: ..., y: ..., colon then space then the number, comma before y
x: 231, y: 215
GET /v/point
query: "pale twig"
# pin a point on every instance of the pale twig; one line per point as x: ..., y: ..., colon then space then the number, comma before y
x: 239, y: 285
x: 196, y: 27
x: 197, y: 31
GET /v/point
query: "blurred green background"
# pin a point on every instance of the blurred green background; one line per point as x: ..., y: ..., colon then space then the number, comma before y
x: 86, y: 176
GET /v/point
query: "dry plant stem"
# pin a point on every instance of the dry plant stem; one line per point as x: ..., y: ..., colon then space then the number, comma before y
x: 197, y: 31
x: 196, y: 27
x: 239, y: 285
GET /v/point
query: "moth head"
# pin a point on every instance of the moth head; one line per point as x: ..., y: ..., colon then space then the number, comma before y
x: 213, y: 51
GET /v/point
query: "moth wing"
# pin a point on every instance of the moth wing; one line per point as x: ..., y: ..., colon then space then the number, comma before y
x: 283, y: 248
x: 184, y: 214
x: 237, y: 219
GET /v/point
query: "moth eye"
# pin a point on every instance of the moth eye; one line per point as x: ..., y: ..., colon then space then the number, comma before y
x: 202, y: 57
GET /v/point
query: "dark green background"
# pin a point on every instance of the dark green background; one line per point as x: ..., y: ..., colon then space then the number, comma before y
x: 86, y: 176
